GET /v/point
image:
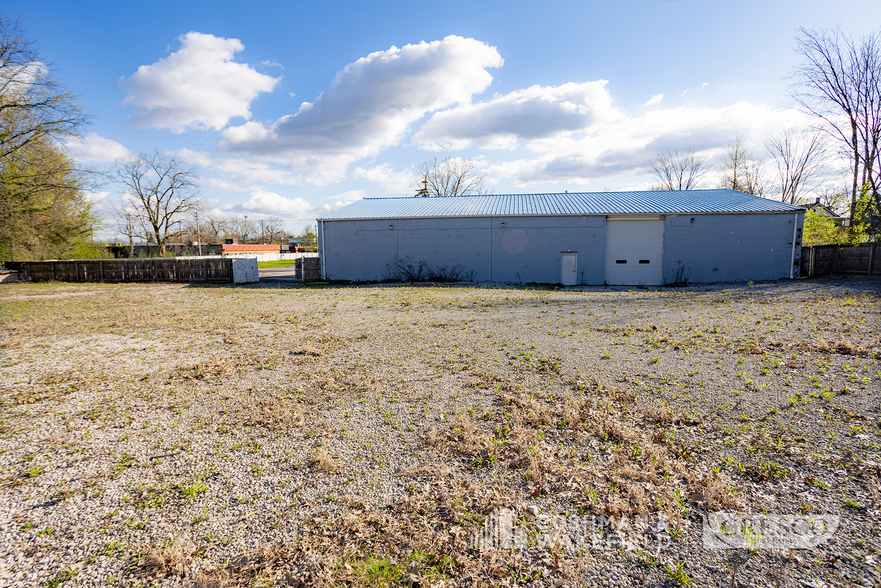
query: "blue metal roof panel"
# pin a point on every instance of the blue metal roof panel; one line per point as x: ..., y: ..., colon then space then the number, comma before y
x: 567, y: 204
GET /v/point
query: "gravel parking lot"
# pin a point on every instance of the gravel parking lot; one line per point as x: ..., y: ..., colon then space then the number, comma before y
x: 437, y: 435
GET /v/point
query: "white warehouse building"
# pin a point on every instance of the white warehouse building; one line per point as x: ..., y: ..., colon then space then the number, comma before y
x: 617, y: 238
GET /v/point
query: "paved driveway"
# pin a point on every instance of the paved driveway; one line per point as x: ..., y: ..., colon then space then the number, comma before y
x: 277, y: 274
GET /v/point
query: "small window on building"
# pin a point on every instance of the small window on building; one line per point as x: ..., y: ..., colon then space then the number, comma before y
x: 621, y: 261
x: 644, y: 261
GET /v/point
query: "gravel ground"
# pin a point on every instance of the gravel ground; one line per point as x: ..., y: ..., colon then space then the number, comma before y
x: 437, y: 435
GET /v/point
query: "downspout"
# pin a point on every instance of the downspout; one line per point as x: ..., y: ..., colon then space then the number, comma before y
x: 792, y: 260
x: 321, y: 252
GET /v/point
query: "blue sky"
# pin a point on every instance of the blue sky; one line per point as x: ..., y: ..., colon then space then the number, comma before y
x: 290, y: 109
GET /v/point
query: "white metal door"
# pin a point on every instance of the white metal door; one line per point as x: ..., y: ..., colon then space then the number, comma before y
x: 634, y: 252
x: 568, y: 268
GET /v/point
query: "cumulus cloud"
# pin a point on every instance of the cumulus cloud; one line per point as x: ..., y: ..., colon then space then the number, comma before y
x: 199, y: 86
x: 537, y: 112
x: 369, y: 106
x: 275, y: 204
x: 655, y: 99
x: 392, y: 182
x: 627, y: 145
x: 95, y: 148
x: 265, y: 204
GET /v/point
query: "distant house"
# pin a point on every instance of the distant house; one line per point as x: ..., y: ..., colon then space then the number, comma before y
x: 823, y: 210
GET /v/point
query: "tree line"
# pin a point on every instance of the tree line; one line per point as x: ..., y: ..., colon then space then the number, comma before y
x: 44, y: 211
x: 161, y: 204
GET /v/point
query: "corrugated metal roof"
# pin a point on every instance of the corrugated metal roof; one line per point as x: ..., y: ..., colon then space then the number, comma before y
x: 568, y: 204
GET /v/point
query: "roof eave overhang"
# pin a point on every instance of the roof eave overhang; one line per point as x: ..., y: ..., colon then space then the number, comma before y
x: 603, y: 214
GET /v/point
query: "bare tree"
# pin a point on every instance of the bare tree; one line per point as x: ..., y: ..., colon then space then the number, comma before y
x: 799, y: 155
x: 204, y: 227
x: 128, y: 228
x: 273, y: 230
x: 161, y: 193
x: 839, y: 82
x: 678, y: 171
x: 741, y: 171
x: 33, y: 105
x: 451, y: 176
x: 241, y: 229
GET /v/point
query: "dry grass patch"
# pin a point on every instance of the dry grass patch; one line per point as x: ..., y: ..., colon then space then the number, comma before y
x: 274, y: 414
x: 308, y: 350
x: 323, y: 461
x: 218, y: 369
x: 173, y: 558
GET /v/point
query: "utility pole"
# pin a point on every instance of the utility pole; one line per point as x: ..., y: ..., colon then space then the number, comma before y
x: 131, y: 238
x: 262, y: 233
x: 423, y: 191
x: 198, y: 235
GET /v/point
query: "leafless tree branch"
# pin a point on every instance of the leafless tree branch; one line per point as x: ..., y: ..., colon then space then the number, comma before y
x: 451, y: 176
x: 163, y: 192
x: 678, y: 170
x: 799, y: 156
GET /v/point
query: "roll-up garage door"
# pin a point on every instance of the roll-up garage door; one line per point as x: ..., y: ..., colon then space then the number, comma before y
x: 634, y: 252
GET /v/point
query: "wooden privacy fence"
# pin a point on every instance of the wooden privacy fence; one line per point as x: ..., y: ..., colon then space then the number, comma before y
x: 822, y: 260
x: 308, y: 269
x: 133, y: 270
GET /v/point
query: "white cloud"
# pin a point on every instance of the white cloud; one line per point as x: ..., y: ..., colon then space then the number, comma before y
x: 95, y: 148
x: 265, y: 204
x: 275, y: 204
x: 369, y: 106
x: 655, y: 99
x: 392, y: 182
x: 95, y: 197
x: 237, y: 174
x: 197, y: 87
x: 627, y: 145
x: 223, y: 185
x: 704, y: 85
x: 349, y: 196
x: 537, y: 112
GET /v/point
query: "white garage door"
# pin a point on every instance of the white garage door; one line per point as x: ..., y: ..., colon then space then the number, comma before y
x: 634, y: 252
